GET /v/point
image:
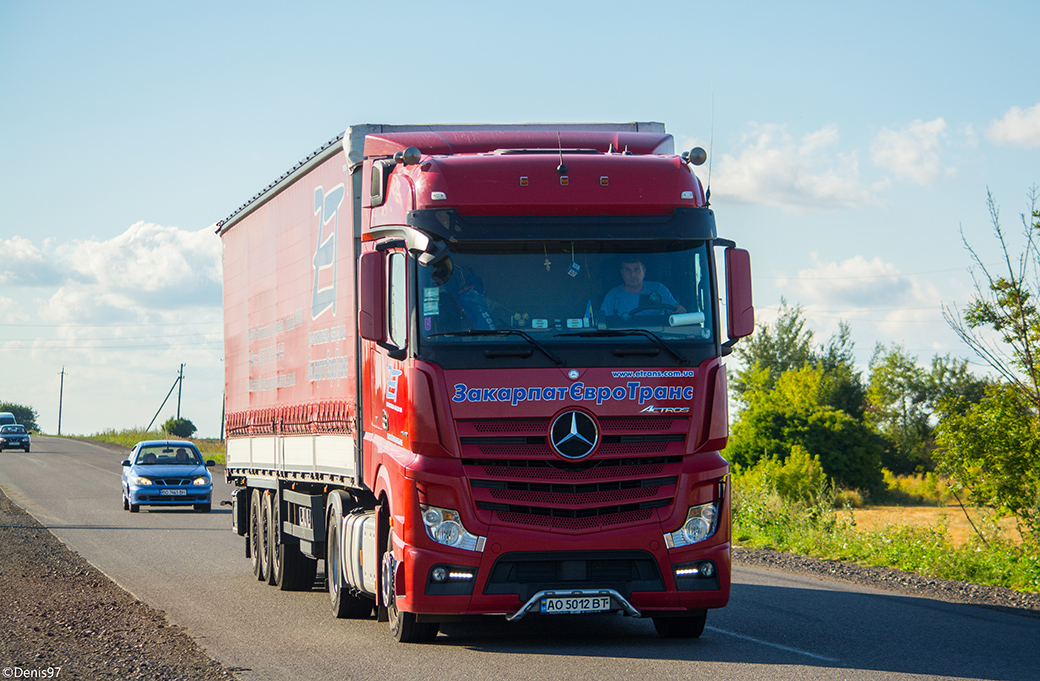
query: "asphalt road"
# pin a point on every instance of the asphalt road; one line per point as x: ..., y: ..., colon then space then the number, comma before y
x: 777, y: 626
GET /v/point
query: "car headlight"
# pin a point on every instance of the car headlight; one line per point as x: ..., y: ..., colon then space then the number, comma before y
x: 142, y: 481
x: 444, y: 526
x: 201, y: 480
x: 701, y: 523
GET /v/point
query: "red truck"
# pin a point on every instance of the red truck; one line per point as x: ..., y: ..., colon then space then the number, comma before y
x: 477, y: 370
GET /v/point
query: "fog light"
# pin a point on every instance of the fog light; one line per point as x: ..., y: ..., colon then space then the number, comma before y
x: 707, y: 569
x: 439, y: 574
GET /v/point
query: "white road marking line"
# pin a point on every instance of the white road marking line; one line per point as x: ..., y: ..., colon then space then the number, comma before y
x: 772, y: 645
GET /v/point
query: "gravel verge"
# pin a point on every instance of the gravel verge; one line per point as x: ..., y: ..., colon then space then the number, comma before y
x: 57, y: 610
x: 996, y: 597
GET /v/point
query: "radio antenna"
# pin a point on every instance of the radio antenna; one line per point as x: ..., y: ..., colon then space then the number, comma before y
x: 561, y: 169
x: 711, y: 144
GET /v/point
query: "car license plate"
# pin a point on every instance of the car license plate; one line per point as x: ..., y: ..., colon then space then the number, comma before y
x: 575, y: 605
x: 173, y: 492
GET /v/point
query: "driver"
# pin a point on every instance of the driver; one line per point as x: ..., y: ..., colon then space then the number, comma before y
x: 621, y: 300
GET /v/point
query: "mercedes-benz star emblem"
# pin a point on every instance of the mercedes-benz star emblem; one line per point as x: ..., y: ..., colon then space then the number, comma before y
x: 574, y: 435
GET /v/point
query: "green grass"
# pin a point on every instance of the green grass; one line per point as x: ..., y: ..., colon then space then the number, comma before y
x: 211, y: 448
x: 764, y: 519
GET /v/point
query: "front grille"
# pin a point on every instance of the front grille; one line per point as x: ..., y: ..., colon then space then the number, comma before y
x: 187, y: 499
x: 525, y: 574
x: 516, y: 479
x: 172, y: 482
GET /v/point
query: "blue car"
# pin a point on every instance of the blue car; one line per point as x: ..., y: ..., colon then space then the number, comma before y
x: 166, y: 473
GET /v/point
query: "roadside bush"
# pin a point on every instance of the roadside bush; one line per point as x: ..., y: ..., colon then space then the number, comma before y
x: 179, y: 427
x: 924, y: 488
x: 791, y: 415
x: 802, y: 519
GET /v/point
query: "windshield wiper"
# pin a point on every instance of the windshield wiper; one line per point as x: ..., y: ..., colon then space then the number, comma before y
x: 504, y: 332
x: 617, y: 333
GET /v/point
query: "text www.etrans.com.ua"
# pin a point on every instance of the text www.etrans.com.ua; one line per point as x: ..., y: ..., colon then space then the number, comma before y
x: 685, y: 373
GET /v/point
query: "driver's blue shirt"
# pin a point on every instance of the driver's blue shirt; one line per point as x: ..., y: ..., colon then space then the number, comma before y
x: 619, y: 301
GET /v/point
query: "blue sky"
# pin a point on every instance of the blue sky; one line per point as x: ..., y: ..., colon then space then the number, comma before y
x: 850, y: 144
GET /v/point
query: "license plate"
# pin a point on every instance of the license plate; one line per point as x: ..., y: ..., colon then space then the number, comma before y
x: 575, y: 605
x: 173, y: 492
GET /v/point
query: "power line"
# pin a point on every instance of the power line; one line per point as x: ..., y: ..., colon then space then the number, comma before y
x: 80, y: 345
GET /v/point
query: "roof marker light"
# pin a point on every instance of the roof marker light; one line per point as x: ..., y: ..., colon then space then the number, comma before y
x: 523, y: 181
x: 438, y: 196
x: 687, y: 195
x: 564, y: 181
x: 604, y: 181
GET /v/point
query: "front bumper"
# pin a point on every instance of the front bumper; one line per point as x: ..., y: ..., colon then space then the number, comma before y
x: 153, y: 496
x: 15, y: 443
x: 643, y: 577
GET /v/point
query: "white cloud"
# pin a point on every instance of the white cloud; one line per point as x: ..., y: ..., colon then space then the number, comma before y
x: 913, y: 153
x: 775, y: 169
x: 120, y: 314
x: 877, y: 299
x: 1019, y: 128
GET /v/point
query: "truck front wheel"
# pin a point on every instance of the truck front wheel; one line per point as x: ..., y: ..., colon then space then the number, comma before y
x: 403, y: 625
x: 685, y: 626
x: 345, y: 603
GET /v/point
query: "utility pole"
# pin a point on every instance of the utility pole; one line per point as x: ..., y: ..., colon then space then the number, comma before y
x: 180, y: 384
x: 61, y: 392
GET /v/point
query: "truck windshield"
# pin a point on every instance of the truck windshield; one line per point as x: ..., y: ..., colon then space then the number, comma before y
x: 568, y: 292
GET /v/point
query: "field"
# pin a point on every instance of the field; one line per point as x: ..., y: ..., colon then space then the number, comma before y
x: 960, y: 530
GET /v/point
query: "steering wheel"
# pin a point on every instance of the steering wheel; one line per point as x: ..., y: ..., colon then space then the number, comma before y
x: 652, y: 301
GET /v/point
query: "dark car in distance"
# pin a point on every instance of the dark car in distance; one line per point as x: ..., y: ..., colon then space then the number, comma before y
x: 166, y: 473
x: 14, y: 437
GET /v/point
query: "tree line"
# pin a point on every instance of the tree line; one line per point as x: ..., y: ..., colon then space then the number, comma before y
x: 803, y: 398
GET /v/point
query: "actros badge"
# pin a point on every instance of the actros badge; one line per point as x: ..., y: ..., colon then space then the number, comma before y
x: 574, y: 435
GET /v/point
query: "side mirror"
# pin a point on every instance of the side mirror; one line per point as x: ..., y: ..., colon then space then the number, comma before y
x: 739, y: 306
x: 372, y: 294
x: 210, y: 462
x: 126, y: 462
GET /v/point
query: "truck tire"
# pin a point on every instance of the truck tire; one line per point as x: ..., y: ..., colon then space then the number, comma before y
x: 686, y: 626
x: 257, y: 544
x: 403, y: 625
x: 290, y: 569
x: 269, y: 502
x: 297, y: 570
x: 345, y: 602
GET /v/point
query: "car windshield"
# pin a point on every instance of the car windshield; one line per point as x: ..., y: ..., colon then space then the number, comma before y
x: 168, y: 455
x: 568, y: 291
x: 13, y: 430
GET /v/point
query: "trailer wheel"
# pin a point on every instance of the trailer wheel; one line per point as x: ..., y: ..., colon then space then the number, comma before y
x: 345, y: 603
x: 257, y: 545
x: 270, y: 518
x: 686, y: 626
x: 291, y: 570
x: 297, y: 571
x: 403, y: 625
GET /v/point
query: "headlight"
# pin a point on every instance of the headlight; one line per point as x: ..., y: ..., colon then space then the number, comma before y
x: 201, y: 480
x: 444, y: 526
x: 142, y: 481
x: 701, y: 523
